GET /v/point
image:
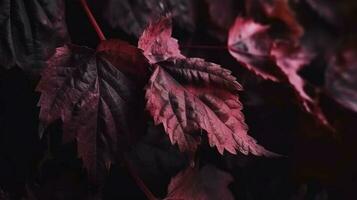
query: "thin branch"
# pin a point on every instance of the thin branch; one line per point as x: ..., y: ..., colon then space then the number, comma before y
x: 92, y: 20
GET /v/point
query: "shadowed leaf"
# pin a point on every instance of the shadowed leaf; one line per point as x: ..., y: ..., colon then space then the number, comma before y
x: 95, y: 101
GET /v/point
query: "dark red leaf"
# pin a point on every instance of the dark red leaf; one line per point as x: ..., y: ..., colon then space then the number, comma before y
x: 30, y: 32
x: 157, y: 43
x: 131, y: 59
x: 207, y: 183
x: 94, y: 100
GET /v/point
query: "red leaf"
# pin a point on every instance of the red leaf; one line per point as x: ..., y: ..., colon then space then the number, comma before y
x: 157, y: 43
x: 250, y: 43
x: 190, y: 95
x: 207, y: 183
x: 92, y: 98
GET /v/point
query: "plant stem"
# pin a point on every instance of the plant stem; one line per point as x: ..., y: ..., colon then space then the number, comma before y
x: 138, y: 180
x: 92, y: 20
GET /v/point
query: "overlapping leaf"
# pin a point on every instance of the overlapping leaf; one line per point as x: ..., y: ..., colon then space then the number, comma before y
x: 95, y: 101
x: 157, y: 43
x: 188, y: 95
x: 30, y: 32
x: 131, y: 60
x: 207, y: 183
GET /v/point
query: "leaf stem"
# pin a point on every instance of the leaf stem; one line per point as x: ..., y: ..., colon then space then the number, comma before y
x: 138, y: 180
x: 92, y: 20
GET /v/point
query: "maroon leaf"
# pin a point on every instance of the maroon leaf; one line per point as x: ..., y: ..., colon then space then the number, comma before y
x: 131, y: 59
x: 157, y: 43
x: 190, y: 95
x: 250, y: 43
x: 207, y: 183
x: 93, y: 98
x: 30, y: 32
x: 341, y: 78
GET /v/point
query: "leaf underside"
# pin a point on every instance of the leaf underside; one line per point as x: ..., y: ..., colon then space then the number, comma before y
x: 93, y: 99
